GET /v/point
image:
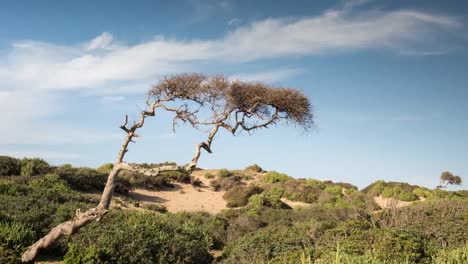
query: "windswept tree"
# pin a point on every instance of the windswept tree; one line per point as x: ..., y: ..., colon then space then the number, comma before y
x: 207, y: 103
x: 447, y: 178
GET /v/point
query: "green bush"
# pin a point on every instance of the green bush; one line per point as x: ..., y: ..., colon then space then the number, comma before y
x: 271, y: 198
x: 314, y: 183
x: 264, y: 245
x: 223, y: 173
x: 177, y: 176
x: 399, y: 245
x: 275, y: 177
x: 399, y: 193
x: 41, y: 202
x: 442, y: 222
x: 14, y: 238
x: 239, y: 195
x: 408, y: 196
x: 420, y: 192
x: 334, y: 190
x: 215, y: 184
x: 34, y: 166
x: 254, y: 168
x: 213, y: 227
x: 37, y: 203
x: 226, y: 183
x: 136, y: 180
x: 82, y: 179
x: 298, y: 190
x: 131, y: 237
x: 209, y: 176
x: 155, y: 207
x: 453, y: 256
x: 105, y: 168
x: 9, y: 166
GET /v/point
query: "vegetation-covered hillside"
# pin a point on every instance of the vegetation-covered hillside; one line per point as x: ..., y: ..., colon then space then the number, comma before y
x: 336, y: 223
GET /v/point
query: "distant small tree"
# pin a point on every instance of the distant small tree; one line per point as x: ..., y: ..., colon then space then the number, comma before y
x: 206, y: 103
x: 447, y: 178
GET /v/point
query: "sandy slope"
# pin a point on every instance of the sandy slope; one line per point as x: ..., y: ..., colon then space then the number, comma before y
x: 392, y: 203
x: 185, y: 197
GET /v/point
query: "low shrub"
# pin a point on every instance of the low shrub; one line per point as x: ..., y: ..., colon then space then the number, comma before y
x: 9, y: 166
x: 399, y: 245
x: 82, y: 179
x: 334, y: 190
x: 136, y: 180
x: 14, y: 238
x: 226, y: 183
x: 131, y: 237
x: 399, y: 193
x: 215, y: 184
x: 264, y: 245
x: 176, y: 176
x: 239, y: 195
x: 452, y: 256
x: 209, y: 176
x: 254, y: 168
x: 105, y: 168
x: 314, y: 183
x: 34, y: 166
x: 223, y: 173
x: 271, y: 198
x: 442, y: 222
x: 275, y: 177
x: 155, y: 207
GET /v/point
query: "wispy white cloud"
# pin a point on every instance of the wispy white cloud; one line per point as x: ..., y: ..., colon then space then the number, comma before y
x: 32, y: 71
x: 112, y: 99
x: 234, y: 22
x: 103, y: 41
x: 275, y: 75
x: 103, y: 60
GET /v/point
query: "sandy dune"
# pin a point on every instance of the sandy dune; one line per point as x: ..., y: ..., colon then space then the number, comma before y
x: 185, y: 197
x: 391, y: 202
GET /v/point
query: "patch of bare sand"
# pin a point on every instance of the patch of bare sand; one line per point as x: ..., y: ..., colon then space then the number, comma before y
x: 185, y: 197
x: 295, y: 204
x: 392, y: 203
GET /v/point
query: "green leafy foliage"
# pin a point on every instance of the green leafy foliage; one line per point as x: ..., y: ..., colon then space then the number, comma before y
x: 223, y: 173
x: 30, y: 206
x: 34, y: 166
x: 275, y: 177
x: 155, y: 207
x: 314, y: 183
x: 105, y: 168
x: 264, y: 245
x: 131, y: 237
x: 9, y: 166
x: 239, y: 195
x: 399, y: 193
x: 14, y: 238
x: 270, y: 198
x: 254, y: 168
x: 341, y: 224
x: 209, y: 176
x: 452, y: 256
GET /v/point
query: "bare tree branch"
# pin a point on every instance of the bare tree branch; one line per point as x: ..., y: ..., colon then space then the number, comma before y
x: 208, y: 102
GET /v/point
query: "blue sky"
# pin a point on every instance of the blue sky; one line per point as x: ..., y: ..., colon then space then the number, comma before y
x: 388, y: 81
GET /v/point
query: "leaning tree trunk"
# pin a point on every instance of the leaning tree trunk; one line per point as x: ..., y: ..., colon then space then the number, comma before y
x: 99, y: 211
